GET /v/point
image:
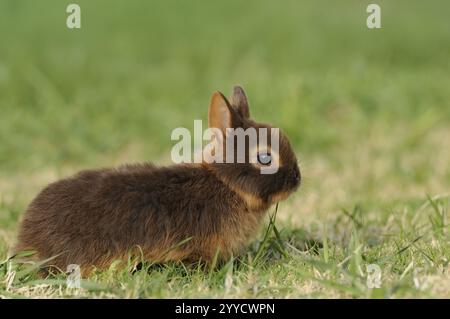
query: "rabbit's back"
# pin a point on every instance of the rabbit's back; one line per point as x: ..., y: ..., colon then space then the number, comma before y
x: 97, y: 216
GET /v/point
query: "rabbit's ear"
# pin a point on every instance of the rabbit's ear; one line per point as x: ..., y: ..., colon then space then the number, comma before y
x: 219, y: 115
x: 239, y: 101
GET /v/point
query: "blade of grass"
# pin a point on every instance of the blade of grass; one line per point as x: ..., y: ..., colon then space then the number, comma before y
x: 266, y: 235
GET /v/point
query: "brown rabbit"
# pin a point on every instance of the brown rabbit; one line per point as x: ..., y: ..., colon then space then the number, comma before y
x: 98, y: 216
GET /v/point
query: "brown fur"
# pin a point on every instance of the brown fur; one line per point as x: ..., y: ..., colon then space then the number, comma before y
x: 97, y: 216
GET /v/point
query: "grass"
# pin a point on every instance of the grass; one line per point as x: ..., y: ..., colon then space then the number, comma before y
x: 368, y: 112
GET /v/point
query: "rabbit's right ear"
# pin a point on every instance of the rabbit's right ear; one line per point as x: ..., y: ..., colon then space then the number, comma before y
x: 219, y: 115
x: 239, y: 101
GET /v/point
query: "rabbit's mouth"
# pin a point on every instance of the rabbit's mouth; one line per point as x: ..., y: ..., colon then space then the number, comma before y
x: 290, y: 186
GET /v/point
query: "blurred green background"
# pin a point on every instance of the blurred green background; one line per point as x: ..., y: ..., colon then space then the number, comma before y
x: 138, y: 69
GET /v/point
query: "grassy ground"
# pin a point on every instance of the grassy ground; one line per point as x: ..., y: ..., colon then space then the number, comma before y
x: 368, y: 112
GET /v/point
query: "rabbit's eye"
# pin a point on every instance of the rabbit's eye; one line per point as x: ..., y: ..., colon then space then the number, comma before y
x: 264, y: 158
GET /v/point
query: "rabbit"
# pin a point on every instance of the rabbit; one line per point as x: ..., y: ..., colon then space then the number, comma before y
x: 212, y: 209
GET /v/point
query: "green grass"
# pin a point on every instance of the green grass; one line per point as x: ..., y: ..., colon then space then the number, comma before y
x: 367, y: 111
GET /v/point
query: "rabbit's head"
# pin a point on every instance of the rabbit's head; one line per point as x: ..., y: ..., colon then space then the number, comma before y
x: 256, y: 160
